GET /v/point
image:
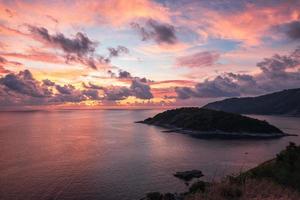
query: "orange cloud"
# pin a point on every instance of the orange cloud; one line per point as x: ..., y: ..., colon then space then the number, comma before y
x: 171, y: 83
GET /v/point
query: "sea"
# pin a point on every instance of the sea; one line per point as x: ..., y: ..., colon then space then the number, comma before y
x: 104, y: 155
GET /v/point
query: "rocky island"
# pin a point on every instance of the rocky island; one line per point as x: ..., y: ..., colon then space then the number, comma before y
x: 206, y: 123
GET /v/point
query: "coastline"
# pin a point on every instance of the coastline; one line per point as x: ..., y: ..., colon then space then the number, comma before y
x: 218, y: 134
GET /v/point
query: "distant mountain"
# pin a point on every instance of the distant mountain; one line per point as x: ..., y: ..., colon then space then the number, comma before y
x: 286, y: 102
x: 205, y: 123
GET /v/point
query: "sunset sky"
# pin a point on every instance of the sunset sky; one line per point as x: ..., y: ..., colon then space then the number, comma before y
x: 143, y: 53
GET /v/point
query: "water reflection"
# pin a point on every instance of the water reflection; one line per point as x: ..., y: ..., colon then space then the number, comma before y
x: 104, y: 155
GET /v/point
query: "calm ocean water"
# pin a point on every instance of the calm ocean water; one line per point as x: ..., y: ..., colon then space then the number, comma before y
x: 103, y: 155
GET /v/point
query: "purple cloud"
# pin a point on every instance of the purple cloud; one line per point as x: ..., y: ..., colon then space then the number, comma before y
x: 154, y: 30
x: 277, y: 73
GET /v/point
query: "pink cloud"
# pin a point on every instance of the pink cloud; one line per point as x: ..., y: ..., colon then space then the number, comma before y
x: 80, y: 12
x: 199, y: 59
x: 3, y: 70
x: 37, y: 56
x: 248, y: 25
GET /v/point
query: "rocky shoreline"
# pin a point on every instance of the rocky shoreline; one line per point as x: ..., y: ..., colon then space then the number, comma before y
x: 220, y: 134
x: 209, y: 124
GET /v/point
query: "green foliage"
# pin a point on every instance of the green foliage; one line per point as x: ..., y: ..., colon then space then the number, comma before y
x: 285, y: 169
x: 199, y: 186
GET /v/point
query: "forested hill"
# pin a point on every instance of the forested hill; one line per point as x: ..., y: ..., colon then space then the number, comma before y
x: 286, y: 102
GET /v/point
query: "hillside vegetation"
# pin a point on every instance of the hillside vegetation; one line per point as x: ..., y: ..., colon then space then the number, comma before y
x: 286, y: 102
x: 277, y: 179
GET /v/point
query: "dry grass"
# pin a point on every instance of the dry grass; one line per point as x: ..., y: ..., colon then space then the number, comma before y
x: 250, y: 190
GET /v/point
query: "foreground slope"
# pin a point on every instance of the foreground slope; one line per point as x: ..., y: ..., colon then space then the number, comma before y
x: 286, y: 102
x: 277, y: 179
x: 284, y: 169
x: 205, y: 123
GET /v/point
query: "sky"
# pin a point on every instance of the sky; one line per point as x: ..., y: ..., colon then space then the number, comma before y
x: 145, y: 53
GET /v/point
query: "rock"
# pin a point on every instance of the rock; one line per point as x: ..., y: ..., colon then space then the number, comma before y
x: 160, y: 196
x: 188, y: 175
x: 169, y: 196
x: 154, y: 196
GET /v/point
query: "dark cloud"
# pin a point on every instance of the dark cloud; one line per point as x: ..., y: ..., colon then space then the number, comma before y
x: 115, y: 52
x: 24, y: 83
x: 66, y: 89
x: 144, y: 80
x: 141, y: 90
x: 161, y: 33
x: 80, y: 48
x: 137, y: 88
x: 221, y: 86
x: 227, y: 85
x: 23, y: 89
x: 200, y: 59
x: 124, y: 74
x: 117, y: 93
x: 80, y: 45
x: 48, y: 82
x: 277, y: 73
x: 76, y: 96
x: 185, y: 92
x: 290, y: 29
x: 91, y: 94
x: 278, y: 64
x: 293, y: 30
x: 92, y: 86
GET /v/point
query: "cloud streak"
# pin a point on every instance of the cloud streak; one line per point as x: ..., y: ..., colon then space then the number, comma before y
x: 199, y: 59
